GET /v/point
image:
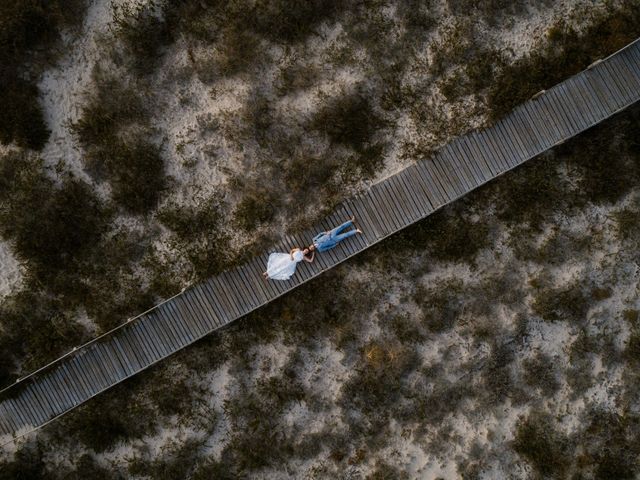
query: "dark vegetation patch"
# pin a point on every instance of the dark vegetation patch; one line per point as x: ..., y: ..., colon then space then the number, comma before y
x: 28, y: 30
x: 566, y: 52
x: 539, y: 373
x: 114, y: 129
x: 542, y: 445
x: 75, y: 260
x: 199, y: 236
x: 568, y: 303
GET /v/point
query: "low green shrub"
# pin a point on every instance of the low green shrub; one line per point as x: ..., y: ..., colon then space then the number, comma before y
x: 564, y: 304
x: 566, y: 52
x: 28, y: 31
x: 539, y: 372
x: 539, y: 443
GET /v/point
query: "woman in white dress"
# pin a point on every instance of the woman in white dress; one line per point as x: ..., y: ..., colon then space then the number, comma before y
x: 282, y: 266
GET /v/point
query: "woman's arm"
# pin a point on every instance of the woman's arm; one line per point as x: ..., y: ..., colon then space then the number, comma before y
x: 292, y: 251
x: 310, y: 260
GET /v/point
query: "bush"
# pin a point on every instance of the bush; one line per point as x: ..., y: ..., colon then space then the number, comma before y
x: 539, y: 372
x: 199, y: 233
x: 51, y: 227
x: 112, y: 130
x: 565, y: 304
x: 537, y: 440
x: 143, y: 32
x: 567, y: 52
x: 136, y: 174
x: 26, y: 28
x: 351, y: 121
x: 441, y: 305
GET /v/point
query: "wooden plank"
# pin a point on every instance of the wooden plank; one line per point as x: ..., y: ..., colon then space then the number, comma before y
x: 568, y: 111
x: 539, y: 122
x: 138, y: 343
x: 446, y: 175
x: 34, y: 410
x: 595, y: 104
x: 381, y: 210
x: 481, y: 154
x: 50, y: 394
x: 599, y: 90
x: 111, y: 373
x: 432, y: 172
x: 256, y: 268
x: 72, y: 385
x: 60, y: 388
x: 213, y: 284
x: 161, y: 323
x: 614, y: 93
x: 175, y: 313
x: 556, y: 129
x: 212, y: 322
x: 247, y: 294
x: 194, y: 315
x: 558, y: 105
x: 368, y: 204
x: 150, y: 339
x: 512, y: 151
x: 632, y: 61
x: 626, y: 67
x: 154, y: 324
x: 132, y: 356
x: 6, y: 421
x: 581, y: 104
x: 538, y: 137
x: 616, y: 76
x: 124, y: 355
x: 430, y: 200
x: 167, y: 317
x: 20, y: 412
x: 390, y: 193
x: 517, y: 130
x: 109, y: 355
x: 469, y: 146
x: 257, y: 283
x: 228, y: 294
x: 629, y: 73
x: 498, y: 150
x: 426, y: 176
x: 44, y: 411
x: 413, y: 197
x: 390, y: 197
x: 65, y: 387
x: 474, y: 166
x: 81, y: 382
x: 369, y: 228
x: 416, y: 195
x: 100, y: 379
x: 218, y: 308
x: 452, y: 168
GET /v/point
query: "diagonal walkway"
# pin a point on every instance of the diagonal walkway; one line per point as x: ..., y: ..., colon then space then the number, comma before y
x: 398, y: 201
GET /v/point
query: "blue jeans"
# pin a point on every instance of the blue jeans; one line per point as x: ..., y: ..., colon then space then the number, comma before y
x: 326, y: 241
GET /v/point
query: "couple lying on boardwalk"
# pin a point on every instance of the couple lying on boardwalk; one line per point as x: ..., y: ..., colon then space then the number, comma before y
x: 282, y: 266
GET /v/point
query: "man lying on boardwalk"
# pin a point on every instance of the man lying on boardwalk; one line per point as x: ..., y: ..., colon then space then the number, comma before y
x: 327, y: 240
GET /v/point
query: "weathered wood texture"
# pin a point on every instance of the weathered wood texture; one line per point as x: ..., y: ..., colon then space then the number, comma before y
x: 406, y: 197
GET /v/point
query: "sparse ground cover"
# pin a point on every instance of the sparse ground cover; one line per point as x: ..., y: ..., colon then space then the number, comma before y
x: 440, y: 352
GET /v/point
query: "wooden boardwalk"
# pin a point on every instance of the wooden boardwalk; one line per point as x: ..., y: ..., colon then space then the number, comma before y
x: 552, y: 117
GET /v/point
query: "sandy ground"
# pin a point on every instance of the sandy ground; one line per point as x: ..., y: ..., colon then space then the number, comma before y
x: 200, y: 159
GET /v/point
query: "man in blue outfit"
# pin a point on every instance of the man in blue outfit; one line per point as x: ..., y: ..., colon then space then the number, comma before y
x: 327, y: 240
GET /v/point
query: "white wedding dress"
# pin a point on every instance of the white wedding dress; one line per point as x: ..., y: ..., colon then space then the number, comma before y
x: 281, y: 267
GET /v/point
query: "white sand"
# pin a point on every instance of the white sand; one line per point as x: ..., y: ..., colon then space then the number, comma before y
x: 11, y: 272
